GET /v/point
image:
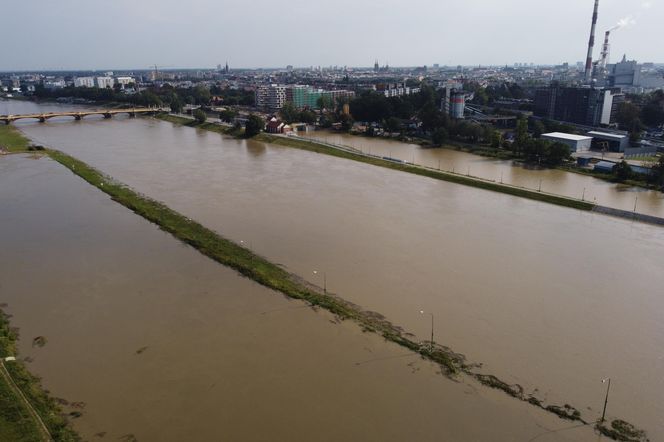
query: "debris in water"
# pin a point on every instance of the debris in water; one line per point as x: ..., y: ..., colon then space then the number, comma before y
x: 39, y: 341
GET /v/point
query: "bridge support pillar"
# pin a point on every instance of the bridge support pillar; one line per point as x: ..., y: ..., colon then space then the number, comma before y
x: 132, y: 114
x: 107, y: 116
x: 8, y: 122
x: 77, y: 117
x: 42, y: 120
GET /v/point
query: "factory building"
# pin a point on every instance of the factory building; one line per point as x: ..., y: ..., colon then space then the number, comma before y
x: 580, y: 105
x: 457, y: 104
x: 453, y: 102
x: 609, y: 141
x: 576, y: 143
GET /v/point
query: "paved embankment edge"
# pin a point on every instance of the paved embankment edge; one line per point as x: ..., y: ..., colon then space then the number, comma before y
x: 635, y: 216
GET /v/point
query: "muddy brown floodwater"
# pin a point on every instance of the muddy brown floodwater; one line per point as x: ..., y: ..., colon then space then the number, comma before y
x: 552, y: 298
x: 152, y: 341
x: 552, y: 180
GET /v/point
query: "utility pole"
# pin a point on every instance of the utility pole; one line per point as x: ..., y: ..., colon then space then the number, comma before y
x: 606, y: 399
x: 431, y: 344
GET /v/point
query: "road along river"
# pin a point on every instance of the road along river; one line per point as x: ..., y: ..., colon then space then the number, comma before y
x: 555, y: 181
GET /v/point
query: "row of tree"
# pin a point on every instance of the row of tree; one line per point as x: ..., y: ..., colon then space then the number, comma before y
x: 167, y: 95
x: 535, y: 149
x: 640, y: 112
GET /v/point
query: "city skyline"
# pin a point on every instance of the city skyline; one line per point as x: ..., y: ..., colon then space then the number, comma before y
x: 203, y: 34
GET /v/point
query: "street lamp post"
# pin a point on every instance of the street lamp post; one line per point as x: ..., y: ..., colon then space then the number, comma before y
x: 431, y: 345
x: 606, y: 399
x: 324, y: 280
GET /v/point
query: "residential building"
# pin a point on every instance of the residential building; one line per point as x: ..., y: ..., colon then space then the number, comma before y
x: 396, y: 89
x: 271, y: 97
x: 55, y: 84
x: 84, y: 82
x: 105, y: 82
x: 301, y: 96
x: 124, y: 81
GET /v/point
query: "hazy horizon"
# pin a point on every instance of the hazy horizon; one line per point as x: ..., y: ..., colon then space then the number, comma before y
x: 135, y: 35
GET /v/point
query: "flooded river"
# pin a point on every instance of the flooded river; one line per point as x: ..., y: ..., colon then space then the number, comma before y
x: 552, y: 298
x: 152, y: 341
x: 553, y: 181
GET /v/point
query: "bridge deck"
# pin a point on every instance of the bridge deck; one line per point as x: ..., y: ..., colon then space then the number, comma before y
x: 80, y: 114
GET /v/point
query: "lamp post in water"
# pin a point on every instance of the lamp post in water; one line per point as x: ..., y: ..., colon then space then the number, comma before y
x: 431, y: 345
x: 324, y: 280
x: 606, y: 399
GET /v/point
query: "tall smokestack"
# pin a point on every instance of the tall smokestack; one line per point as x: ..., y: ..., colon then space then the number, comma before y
x: 605, y: 49
x: 591, y: 45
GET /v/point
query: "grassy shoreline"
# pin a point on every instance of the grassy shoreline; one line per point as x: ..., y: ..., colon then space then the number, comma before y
x: 16, y: 420
x: 313, y: 146
x: 502, y: 154
x: 12, y: 140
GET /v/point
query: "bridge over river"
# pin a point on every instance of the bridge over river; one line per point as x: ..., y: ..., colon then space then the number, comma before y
x: 78, y: 115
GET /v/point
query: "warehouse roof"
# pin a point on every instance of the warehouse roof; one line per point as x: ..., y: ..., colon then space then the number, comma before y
x: 607, y: 135
x: 569, y: 137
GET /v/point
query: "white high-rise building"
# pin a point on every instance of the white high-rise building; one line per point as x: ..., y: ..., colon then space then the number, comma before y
x: 105, y: 82
x: 84, y: 82
x: 124, y: 81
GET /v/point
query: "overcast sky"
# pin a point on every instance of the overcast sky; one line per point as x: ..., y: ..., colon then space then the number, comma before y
x: 95, y: 34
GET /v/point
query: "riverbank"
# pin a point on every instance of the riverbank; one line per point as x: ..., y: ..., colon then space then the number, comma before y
x: 317, y: 146
x: 190, y: 122
x: 502, y: 154
x: 27, y: 412
x: 11, y: 140
x: 320, y: 147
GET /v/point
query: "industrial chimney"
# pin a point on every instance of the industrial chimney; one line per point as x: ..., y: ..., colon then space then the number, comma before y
x: 589, y: 60
x: 606, y: 48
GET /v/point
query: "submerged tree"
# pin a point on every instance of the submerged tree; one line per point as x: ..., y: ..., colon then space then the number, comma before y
x: 253, y: 126
x: 200, y: 116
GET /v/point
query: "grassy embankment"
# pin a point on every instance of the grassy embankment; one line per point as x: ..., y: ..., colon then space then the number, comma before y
x: 313, y: 146
x: 17, y: 423
x: 11, y: 140
x: 431, y: 173
x: 503, y: 154
x: 212, y: 127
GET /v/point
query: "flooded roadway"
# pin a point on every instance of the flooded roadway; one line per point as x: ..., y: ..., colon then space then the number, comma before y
x: 552, y: 180
x: 154, y: 342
